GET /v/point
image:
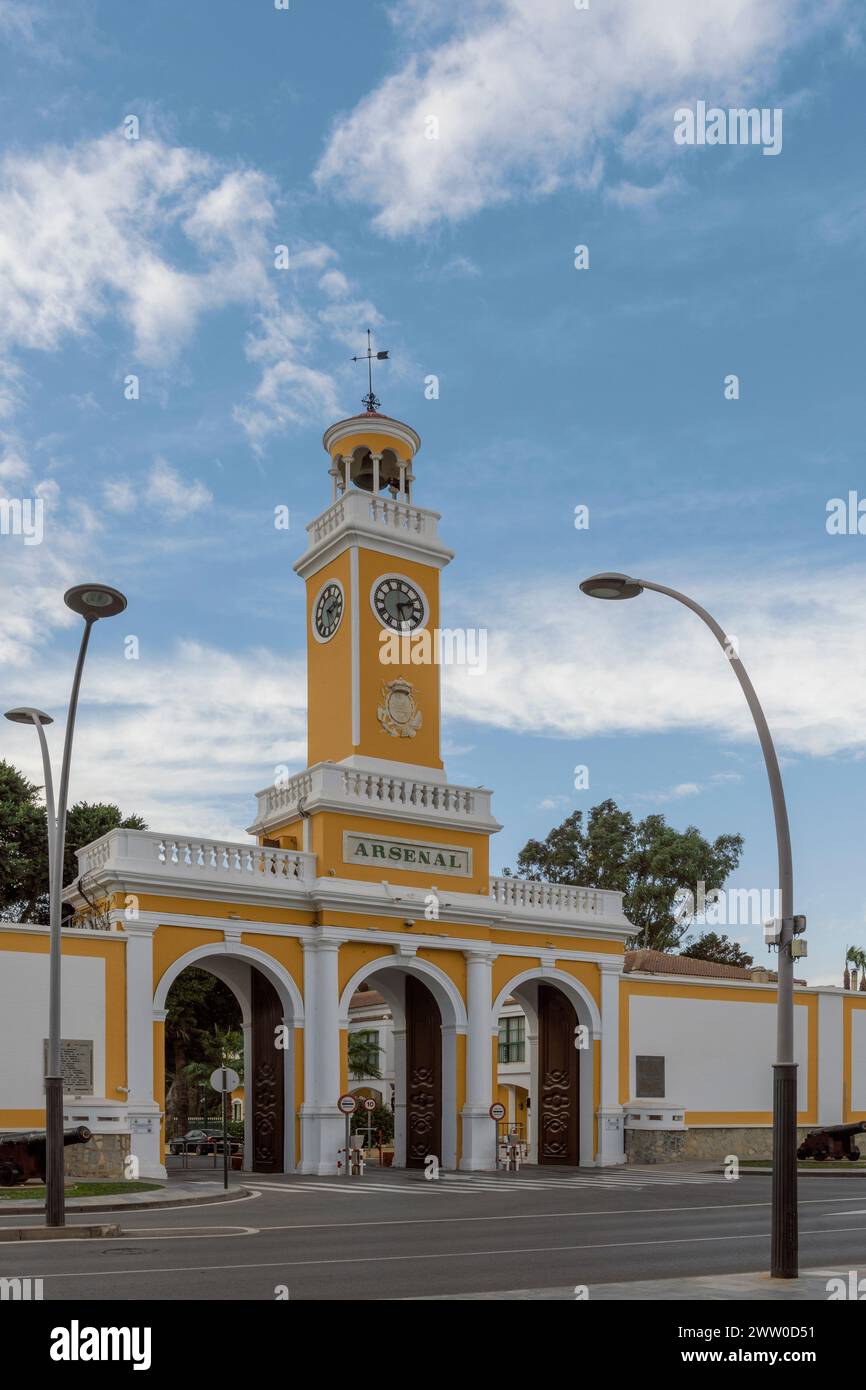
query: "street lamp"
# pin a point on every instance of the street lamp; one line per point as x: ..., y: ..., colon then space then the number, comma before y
x: 92, y: 602
x: 784, y: 1218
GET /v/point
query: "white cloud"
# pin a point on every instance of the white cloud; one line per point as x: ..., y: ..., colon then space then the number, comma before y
x: 158, y: 236
x: 581, y: 668
x: 232, y: 719
x: 120, y: 495
x: 167, y: 491
x: 531, y: 95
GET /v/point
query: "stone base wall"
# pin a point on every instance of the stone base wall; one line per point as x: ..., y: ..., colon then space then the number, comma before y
x: 102, y: 1157
x: 654, y: 1145
x: 667, y: 1145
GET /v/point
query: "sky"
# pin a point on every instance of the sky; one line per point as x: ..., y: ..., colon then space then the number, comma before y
x: 431, y: 167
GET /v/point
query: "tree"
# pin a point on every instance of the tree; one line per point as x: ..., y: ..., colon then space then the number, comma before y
x: 363, y: 1057
x: 648, y: 861
x: 198, y: 1009
x: 24, y: 843
x: 710, y: 946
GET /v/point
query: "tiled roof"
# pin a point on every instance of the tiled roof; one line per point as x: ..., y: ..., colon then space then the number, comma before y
x: 661, y: 963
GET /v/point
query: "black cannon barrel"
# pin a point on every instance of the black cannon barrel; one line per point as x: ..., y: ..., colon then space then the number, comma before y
x: 36, y: 1137
x: 839, y: 1131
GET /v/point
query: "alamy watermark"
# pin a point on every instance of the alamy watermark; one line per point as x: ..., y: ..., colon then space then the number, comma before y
x: 22, y: 516
x: 736, y: 126
x: 457, y: 646
x: 734, y: 907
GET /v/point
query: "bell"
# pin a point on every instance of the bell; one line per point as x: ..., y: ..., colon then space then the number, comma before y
x: 364, y: 477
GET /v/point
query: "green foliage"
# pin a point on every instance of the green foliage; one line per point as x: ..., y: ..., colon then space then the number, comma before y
x: 24, y: 843
x: 710, y: 946
x: 363, y: 1057
x: 648, y: 861
x: 203, y: 1019
x: 381, y: 1121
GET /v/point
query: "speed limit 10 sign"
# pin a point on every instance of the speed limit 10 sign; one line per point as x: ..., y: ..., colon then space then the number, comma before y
x: 369, y: 1103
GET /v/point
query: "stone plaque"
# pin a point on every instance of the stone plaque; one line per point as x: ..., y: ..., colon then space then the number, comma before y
x: 420, y: 856
x: 76, y: 1064
x: 649, y: 1077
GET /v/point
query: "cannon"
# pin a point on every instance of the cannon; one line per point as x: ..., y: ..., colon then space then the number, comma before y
x: 835, y: 1141
x: 22, y: 1156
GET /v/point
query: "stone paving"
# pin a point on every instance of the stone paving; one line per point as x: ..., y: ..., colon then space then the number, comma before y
x: 714, y: 1288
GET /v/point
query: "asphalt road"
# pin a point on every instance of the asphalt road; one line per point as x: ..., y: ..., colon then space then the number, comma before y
x: 393, y: 1235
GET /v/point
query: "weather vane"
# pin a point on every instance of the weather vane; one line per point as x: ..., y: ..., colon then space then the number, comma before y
x: 370, y: 401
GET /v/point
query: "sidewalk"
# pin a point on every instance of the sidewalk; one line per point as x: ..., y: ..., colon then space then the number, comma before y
x: 174, y: 1194
x: 714, y: 1288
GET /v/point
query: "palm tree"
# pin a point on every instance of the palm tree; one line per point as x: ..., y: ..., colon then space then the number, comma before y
x: 852, y: 956
x: 861, y: 963
x: 363, y: 1057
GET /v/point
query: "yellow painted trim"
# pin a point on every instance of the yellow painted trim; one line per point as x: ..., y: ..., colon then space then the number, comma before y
x: 850, y: 1004
x: 22, y: 1119
x: 723, y: 994
x: 111, y: 950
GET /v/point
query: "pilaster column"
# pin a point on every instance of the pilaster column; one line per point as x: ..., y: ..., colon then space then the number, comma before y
x: 478, y: 1148
x: 143, y: 1108
x: 611, y: 1137
x: 322, y: 1125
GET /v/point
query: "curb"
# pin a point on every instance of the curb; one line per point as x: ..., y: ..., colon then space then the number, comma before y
x: 801, y: 1172
x: 99, y: 1232
x: 152, y: 1204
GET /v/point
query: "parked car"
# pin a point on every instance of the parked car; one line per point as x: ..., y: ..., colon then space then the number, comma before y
x: 214, y: 1144
x: 192, y: 1141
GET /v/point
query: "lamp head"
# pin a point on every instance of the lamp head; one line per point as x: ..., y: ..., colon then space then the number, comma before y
x: 94, y: 601
x: 611, y: 586
x: 25, y: 714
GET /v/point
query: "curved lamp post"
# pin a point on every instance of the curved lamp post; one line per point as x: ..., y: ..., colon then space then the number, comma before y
x: 92, y: 602
x: 784, y: 1220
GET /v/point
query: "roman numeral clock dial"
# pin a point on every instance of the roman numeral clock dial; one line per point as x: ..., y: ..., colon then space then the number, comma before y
x: 398, y: 603
x: 328, y: 611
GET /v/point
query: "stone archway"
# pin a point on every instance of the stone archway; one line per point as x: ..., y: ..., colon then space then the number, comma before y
x: 547, y: 1054
x: 268, y: 997
x: 423, y: 1002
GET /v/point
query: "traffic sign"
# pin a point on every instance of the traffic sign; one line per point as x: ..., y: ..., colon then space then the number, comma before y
x: 497, y: 1111
x: 347, y: 1104
x: 369, y: 1103
x: 225, y: 1079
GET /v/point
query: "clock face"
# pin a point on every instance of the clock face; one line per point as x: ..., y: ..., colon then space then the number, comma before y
x: 328, y: 611
x: 398, y: 603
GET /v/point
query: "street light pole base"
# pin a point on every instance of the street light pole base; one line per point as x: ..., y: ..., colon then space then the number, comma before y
x: 55, y: 1203
x: 784, y: 1222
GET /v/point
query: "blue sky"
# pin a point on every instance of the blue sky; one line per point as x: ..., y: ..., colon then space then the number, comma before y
x: 558, y: 387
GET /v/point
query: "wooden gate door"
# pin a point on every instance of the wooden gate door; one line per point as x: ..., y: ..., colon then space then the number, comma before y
x: 558, y: 1076
x: 265, y: 1078
x: 423, y: 1074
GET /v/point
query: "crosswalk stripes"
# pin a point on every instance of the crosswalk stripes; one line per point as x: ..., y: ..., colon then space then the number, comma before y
x: 634, y: 1179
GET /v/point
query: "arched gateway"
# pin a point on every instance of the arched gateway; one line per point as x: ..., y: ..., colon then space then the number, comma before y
x: 370, y: 865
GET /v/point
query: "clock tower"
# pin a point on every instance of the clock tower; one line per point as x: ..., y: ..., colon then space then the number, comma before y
x: 372, y: 574
x: 375, y: 787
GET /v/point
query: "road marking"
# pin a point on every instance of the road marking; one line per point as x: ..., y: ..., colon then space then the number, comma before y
x: 446, y: 1255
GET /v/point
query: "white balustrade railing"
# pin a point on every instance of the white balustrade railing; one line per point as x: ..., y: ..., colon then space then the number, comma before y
x: 333, y: 785
x: 192, y: 857
x: 534, y: 895
x: 361, y: 508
